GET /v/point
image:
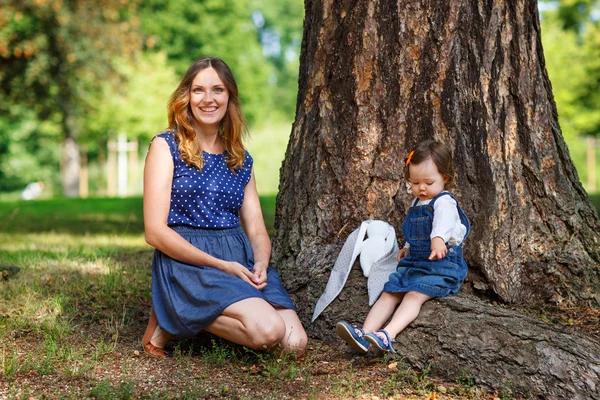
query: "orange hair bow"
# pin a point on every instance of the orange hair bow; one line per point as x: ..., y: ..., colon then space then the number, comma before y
x: 410, y: 155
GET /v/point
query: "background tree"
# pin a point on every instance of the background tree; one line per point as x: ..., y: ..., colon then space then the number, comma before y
x: 53, y: 56
x: 376, y: 77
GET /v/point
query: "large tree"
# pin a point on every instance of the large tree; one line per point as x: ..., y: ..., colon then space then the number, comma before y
x: 376, y: 77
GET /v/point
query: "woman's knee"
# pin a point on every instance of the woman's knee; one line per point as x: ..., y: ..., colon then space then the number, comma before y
x: 267, y: 332
x: 295, y: 342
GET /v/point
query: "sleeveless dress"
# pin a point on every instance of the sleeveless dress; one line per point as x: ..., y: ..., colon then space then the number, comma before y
x: 205, y: 211
x: 415, y: 272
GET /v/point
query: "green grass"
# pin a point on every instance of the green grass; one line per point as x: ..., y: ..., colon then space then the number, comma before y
x: 92, y: 215
x: 75, y: 216
x: 72, y: 316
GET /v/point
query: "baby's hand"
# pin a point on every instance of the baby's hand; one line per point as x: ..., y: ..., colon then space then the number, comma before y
x: 438, y: 248
x: 402, y: 253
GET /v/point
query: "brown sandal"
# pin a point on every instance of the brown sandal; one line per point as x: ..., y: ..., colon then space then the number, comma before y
x: 149, y: 348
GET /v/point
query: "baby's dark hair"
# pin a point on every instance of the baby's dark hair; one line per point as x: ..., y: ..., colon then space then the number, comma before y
x: 440, y: 155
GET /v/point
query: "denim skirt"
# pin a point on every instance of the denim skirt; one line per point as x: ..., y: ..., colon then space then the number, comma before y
x: 436, y: 278
x: 186, y: 298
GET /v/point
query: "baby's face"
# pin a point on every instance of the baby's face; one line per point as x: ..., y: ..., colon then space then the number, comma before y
x: 425, y: 180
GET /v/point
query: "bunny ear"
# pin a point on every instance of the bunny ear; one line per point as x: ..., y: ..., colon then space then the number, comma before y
x: 362, y: 231
x: 340, y: 271
x: 373, y: 249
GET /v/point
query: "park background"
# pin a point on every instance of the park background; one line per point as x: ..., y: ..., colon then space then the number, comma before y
x: 75, y: 289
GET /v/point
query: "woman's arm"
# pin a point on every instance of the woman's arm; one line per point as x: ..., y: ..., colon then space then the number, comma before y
x: 158, y: 179
x: 254, y: 226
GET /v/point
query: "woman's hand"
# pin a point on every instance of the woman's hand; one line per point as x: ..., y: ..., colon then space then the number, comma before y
x: 260, y: 275
x: 438, y: 248
x: 402, y: 253
x: 238, y: 270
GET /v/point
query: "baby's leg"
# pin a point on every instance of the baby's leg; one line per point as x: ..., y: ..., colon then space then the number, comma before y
x: 382, y: 310
x: 406, y: 313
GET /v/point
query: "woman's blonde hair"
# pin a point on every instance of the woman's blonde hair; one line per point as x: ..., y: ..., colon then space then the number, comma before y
x: 181, y: 120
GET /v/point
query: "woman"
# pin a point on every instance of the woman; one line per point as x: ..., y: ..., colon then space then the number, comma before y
x: 207, y: 273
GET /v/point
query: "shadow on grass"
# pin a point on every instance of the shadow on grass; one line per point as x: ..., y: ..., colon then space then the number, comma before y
x: 75, y: 216
x: 88, y: 216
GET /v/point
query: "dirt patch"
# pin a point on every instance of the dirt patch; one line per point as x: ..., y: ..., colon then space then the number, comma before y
x: 94, y: 362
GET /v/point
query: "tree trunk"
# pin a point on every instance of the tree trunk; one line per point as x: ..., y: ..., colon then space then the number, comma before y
x: 463, y: 337
x: 70, y: 167
x: 377, y: 77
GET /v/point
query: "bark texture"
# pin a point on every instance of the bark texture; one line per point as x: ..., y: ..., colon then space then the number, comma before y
x: 502, y: 350
x: 376, y: 77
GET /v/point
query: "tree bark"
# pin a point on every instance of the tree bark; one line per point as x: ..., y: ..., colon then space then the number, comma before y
x: 377, y: 77
x: 502, y: 350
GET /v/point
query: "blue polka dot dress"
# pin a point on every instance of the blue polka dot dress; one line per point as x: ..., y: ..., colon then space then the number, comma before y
x: 205, y: 211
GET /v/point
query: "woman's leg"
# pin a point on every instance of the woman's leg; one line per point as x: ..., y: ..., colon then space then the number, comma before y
x: 407, y: 312
x: 155, y: 338
x: 251, y: 322
x: 295, y: 339
x: 382, y: 310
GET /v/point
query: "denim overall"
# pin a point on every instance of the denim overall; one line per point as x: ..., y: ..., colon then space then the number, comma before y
x: 415, y: 272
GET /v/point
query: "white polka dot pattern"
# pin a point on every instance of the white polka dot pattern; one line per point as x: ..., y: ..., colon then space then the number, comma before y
x: 210, y: 198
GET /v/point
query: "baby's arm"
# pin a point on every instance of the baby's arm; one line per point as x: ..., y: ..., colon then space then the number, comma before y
x: 438, y: 248
x: 445, y: 215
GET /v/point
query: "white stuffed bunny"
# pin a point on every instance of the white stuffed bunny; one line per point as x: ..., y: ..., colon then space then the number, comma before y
x: 377, y: 261
x: 380, y: 241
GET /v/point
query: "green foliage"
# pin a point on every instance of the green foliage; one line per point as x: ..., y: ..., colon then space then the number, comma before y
x: 54, y: 54
x: 571, y: 40
x: 188, y: 29
x: 572, y: 13
x: 136, y: 108
x: 280, y: 27
x: 28, y: 149
x: 267, y: 144
x: 75, y: 69
x: 566, y: 71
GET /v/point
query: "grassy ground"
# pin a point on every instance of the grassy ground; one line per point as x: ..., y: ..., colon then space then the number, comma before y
x: 74, y: 303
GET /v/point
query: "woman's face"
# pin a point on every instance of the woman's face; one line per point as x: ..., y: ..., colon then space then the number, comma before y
x: 208, y: 98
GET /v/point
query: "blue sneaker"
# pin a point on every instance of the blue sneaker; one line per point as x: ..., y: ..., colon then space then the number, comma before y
x: 353, y: 336
x: 381, y: 339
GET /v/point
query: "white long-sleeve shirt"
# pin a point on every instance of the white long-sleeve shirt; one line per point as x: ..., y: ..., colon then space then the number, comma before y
x: 446, y: 221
